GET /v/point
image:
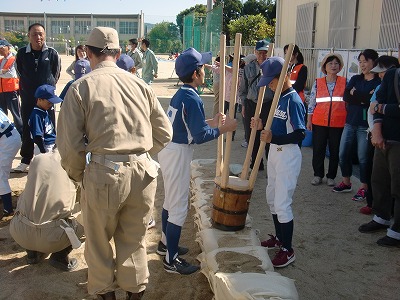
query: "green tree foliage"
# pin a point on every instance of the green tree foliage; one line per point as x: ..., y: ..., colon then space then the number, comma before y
x: 164, y: 38
x: 199, y: 9
x: 15, y: 38
x: 232, y: 11
x: 252, y: 28
x: 267, y: 8
x: 271, y: 12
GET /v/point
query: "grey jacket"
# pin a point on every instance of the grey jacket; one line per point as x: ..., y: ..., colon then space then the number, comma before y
x: 248, y: 85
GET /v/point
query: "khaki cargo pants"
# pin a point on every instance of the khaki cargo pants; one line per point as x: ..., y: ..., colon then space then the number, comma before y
x: 117, y: 205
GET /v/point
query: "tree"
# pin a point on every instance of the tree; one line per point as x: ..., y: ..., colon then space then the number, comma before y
x: 232, y: 10
x: 252, y: 28
x: 15, y: 38
x: 163, y: 37
x: 267, y: 8
x: 271, y: 12
x: 255, y: 7
x: 199, y: 9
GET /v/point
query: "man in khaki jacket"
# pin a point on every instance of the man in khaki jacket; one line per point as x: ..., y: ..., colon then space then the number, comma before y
x: 43, y: 210
x: 124, y: 124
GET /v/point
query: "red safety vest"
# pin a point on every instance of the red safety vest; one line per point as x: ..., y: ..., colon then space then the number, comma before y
x: 293, y: 77
x: 330, y: 111
x: 8, y: 84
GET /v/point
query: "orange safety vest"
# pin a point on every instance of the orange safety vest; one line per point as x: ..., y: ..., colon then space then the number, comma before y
x: 9, y: 84
x: 330, y: 110
x: 293, y: 77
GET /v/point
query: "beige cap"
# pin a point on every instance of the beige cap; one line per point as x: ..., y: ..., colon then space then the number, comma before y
x: 337, y: 55
x: 103, y: 38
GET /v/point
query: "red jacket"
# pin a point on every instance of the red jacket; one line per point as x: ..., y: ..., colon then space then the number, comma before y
x: 8, y: 84
x: 330, y: 111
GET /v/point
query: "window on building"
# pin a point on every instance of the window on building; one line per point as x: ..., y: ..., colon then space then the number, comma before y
x: 342, y: 23
x: 107, y: 23
x: 305, y: 25
x: 14, y: 25
x: 82, y: 27
x: 128, y: 27
x: 33, y: 21
x: 389, y: 35
x: 60, y: 27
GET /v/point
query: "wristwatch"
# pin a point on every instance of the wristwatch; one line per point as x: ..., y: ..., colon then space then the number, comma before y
x: 376, y: 108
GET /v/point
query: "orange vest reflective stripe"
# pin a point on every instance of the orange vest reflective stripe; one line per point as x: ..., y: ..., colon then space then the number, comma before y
x: 293, y: 77
x: 330, y: 111
x: 8, y: 84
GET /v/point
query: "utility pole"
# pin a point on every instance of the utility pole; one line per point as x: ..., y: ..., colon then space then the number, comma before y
x: 209, y: 5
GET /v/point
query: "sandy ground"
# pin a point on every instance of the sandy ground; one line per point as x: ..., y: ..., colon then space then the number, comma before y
x: 334, y: 261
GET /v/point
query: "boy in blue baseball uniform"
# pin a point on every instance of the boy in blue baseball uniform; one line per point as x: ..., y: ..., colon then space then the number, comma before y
x: 10, y: 142
x: 186, y: 113
x: 284, y: 159
x: 42, y: 129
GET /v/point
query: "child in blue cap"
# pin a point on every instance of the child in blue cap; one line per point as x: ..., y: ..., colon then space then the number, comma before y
x: 42, y: 129
x: 186, y: 113
x: 125, y: 62
x: 284, y: 159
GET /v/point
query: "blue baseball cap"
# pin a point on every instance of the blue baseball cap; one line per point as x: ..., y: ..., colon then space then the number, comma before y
x: 47, y: 92
x: 125, y: 62
x: 4, y: 43
x: 262, y: 45
x: 82, y: 67
x: 270, y: 68
x: 189, y: 60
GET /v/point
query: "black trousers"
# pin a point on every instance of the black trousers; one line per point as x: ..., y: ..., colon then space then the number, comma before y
x: 249, y: 111
x: 9, y: 102
x: 370, y: 161
x: 28, y: 102
x: 386, y: 184
x: 323, y: 136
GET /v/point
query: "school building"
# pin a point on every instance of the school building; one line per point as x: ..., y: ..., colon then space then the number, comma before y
x: 344, y: 24
x: 65, y: 27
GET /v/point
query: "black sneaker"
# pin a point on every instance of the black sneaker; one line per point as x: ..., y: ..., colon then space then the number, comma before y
x: 180, y: 266
x: 162, y: 249
x: 66, y: 264
x: 34, y: 257
x: 372, y: 227
x: 387, y: 241
x: 7, y: 213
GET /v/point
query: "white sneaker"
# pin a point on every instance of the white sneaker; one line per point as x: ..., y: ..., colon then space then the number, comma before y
x: 151, y: 224
x: 244, y: 144
x: 21, y: 168
x: 330, y: 182
x: 316, y: 180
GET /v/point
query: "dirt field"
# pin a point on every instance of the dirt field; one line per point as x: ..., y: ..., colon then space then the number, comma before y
x: 334, y: 260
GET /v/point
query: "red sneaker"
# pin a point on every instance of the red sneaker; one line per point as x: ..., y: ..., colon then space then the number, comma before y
x: 283, y: 258
x: 272, y: 243
x: 366, y: 210
x: 360, y: 196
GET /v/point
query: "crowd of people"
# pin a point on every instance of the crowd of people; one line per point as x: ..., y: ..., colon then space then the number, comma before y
x: 96, y: 176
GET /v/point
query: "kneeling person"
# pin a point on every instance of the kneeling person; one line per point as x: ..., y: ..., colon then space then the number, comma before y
x: 44, y: 209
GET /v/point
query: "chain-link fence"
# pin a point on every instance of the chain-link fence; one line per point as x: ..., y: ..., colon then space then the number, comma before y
x: 202, y: 31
